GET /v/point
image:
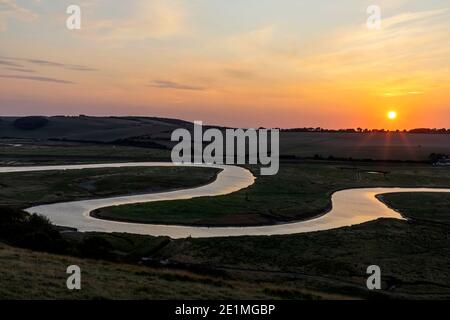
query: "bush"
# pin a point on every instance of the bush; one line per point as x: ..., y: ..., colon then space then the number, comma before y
x: 30, y: 231
x: 10, y: 215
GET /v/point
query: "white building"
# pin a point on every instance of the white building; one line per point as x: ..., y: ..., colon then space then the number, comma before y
x: 443, y: 162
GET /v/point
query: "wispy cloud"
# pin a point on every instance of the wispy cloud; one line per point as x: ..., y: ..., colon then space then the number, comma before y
x: 60, y: 65
x: 174, y: 85
x: 11, y: 7
x: 46, y: 63
x: 36, y: 78
x: 20, y: 70
x: 239, y: 73
x: 409, y: 17
x: 21, y: 65
x: 408, y: 51
x: 154, y: 19
x: 9, y: 63
x: 401, y: 93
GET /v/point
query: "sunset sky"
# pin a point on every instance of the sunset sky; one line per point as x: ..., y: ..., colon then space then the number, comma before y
x: 280, y: 63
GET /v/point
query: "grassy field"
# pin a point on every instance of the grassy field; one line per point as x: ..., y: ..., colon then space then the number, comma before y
x: 100, y: 129
x: 299, y: 191
x: 324, y: 265
x: 33, y: 275
x: 424, y: 206
x: 120, y: 270
x: 377, y: 146
x: 157, y: 131
x: 18, y: 152
x: 413, y: 255
x: 32, y: 188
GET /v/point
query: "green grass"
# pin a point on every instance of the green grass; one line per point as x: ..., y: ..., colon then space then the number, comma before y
x: 32, y: 188
x: 413, y: 257
x: 35, y: 275
x: 424, y: 206
x: 28, y: 153
x: 299, y: 191
x: 380, y: 146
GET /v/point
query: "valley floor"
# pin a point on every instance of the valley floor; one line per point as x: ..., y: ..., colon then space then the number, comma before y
x: 413, y: 255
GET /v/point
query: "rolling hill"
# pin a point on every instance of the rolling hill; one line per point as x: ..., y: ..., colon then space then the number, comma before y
x: 153, y: 132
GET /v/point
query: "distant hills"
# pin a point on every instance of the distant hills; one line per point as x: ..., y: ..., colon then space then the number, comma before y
x: 89, y: 129
x: 360, y: 130
x: 107, y: 129
x: 155, y: 132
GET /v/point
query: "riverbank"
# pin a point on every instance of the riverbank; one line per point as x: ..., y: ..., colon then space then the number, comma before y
x: 31, y: 188
x: 346, y: 210
x: 327, y: 264
x: 301, y: 191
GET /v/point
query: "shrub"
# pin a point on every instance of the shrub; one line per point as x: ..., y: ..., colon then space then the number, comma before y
x: 30, y: 231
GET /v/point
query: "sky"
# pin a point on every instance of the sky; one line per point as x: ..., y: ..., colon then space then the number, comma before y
x: 250, y: 63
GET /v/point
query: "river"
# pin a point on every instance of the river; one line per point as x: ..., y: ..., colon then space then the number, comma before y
x: 350, y: 206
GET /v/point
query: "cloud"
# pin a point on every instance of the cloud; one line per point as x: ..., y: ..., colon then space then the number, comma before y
x: 154, y: 19
x: 174, y: 85
x: 401, y: 94
x: 36, y: 78
x: 21, y: 70
x: 409, y: 17
x: 47, y: 63
x: 12, y: 64
x: 12, y: 8
x: 245, y: 74
x: 60, y: 65
x: 405, y: 57
x: 9, y: 63
x: 262, y: 39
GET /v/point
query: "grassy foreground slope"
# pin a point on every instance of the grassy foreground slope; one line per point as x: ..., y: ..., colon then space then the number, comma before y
x: 26, y: 274
x: 413, y: 258
x: 33, y: 275
x: 299, y: 191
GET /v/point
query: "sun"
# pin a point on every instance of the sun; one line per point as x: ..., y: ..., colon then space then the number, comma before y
x: 392, y: 115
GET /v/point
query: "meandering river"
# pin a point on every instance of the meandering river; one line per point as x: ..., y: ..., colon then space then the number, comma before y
x: 350, y: 207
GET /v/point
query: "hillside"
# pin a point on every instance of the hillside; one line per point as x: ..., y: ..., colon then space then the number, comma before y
x: 153, y: 132
x: 100, y: 129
